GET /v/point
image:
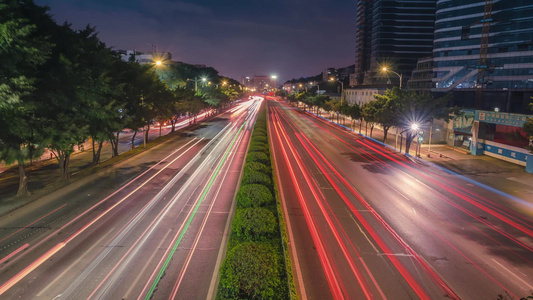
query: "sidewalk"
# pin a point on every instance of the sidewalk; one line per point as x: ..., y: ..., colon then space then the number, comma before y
x: 491, y: 172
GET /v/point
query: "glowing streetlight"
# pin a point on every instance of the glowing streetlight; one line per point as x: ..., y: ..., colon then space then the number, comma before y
x: 415, y: 127
x: 158, y: 63
x: 342, y: 86
x: 385, y: 70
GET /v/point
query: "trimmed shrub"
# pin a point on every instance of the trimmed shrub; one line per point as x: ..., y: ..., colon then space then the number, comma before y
x: 259, y: 131
x: 254, y: 224
x: 259, y: 138
x: 250, y: 271
x: 257, y: 166
x: 253, y: 177
x: 258, y: 148
x: 254, y: 195
x: 260, y: 157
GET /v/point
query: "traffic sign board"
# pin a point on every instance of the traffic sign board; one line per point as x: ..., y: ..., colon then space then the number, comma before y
x: 421, y: 133
x: 420, y: 139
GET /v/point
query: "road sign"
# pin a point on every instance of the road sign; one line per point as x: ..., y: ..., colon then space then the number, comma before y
x: 421, y: 133
x: 420, y: 139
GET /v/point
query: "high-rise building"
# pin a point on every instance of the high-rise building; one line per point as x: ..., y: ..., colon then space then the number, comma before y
x: 507, y: 83
x: 394, y: 34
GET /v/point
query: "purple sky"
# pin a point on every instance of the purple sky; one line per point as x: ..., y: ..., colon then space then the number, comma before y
x: 290, y: 38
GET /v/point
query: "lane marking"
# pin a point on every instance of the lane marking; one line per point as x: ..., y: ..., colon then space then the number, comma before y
x: 73, y: 264
x: 288, y: 222
x: 53, y: 211
x: 189, y: 220
x: 132, y: 285
x: 14, y: 253
x: 529, y: 286
x: 60, y: 245
x: 202, y: 227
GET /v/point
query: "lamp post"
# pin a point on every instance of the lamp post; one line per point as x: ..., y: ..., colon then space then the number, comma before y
x: 413, y: 127
x: 273, y: 79
x: 342, y: 86
x: 384, y: 69
x: 203, y: 79
x: 317, y: 87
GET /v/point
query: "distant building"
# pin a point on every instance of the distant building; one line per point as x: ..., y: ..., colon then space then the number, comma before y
x: 422, y: 76
x: 328, y: 73
x: 342, y: 74
x: 263, y: 82
x: 394, y: 34
x: 361, y: 96
x: 508, y: 80
x: 144, y: 58
x: 246, y: 81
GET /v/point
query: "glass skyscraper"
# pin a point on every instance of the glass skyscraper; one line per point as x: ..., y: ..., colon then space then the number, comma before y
x: 392, y: 33
x: 508, y: 80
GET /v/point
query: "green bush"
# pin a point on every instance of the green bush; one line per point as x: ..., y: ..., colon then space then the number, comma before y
x: 252, y: 144
x: 253, y: 177
x: 254, y: 224
x: 259, y: 132
x: 250, y: 271
x: 260, y: 157
x: 254, y: 195
x: 257, y: 166
x: 258, y: 148
x: 259, y: 138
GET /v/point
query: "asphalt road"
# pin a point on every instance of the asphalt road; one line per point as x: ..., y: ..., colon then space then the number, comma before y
x: 47, y: 170
x: 152, y: 227
x: 365, y: 222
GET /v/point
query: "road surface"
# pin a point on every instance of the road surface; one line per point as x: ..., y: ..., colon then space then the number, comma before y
x: 153, y: 227
x: 365, y: 222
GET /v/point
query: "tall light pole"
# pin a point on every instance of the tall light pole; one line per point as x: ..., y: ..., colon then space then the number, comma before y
x: 203, y: 79
x: 273, y: 79
x: 384, y: 69
x: 317, y: 87
x: 342, y: 86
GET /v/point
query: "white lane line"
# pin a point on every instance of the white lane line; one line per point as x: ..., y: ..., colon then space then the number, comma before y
x: 528, y: 285
x: 126, y: 229
x: 199, y: 234
x: 96, y: 205
x: 178, y: 195
x: 297, y: 267
x: 362, y: 231
x: 75, y: 263
x: 146, y: 265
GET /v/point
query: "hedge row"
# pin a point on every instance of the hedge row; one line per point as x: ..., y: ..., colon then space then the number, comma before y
x: 254, y: 267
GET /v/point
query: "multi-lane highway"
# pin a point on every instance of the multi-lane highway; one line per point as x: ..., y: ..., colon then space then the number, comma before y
x: 150, y: 227
x: 365, y: 222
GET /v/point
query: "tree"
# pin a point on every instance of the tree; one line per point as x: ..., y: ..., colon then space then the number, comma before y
x: 369, y: 112
x: 421, y: 108
x: 388, y: 108
x: 22, y: 50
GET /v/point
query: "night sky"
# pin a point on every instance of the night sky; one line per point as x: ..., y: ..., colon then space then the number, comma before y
x: 290, y: 38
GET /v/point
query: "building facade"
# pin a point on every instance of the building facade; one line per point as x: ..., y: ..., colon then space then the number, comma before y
x: 394, y: 34
x: 361, y: 96
x: 507, y: 83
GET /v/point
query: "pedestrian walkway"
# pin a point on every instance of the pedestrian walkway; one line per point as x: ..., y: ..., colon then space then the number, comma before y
x: 483, y: 170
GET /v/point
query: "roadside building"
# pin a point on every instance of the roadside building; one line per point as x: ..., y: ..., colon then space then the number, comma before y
x: 508, y: 77
x: 394, y: 34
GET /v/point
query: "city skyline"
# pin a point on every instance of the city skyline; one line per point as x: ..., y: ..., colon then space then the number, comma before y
x: 283, y: 38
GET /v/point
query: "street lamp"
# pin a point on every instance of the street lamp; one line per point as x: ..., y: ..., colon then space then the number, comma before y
x: 384, y: 69
x: 317, y: 87
x: 158, y: 63
x: 342, y: 86
x: 413, y: 127
x: 273, y: 79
